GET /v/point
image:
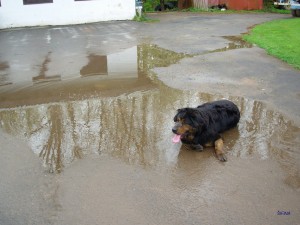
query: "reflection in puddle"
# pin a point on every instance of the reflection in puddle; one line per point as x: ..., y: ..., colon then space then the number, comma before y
x: 122, y: 64
x: 97, y: 66
x: 4, y: 66
x: 42, y: 74
x: 65, y: 120
x: 130, y: 118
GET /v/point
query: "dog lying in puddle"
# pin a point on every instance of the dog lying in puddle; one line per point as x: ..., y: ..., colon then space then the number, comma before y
x: 202, y: 126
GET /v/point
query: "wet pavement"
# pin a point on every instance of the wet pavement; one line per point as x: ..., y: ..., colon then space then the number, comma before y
x: 86, y: 116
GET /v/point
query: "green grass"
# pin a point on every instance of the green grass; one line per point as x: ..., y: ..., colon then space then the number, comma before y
x: 280, y: 38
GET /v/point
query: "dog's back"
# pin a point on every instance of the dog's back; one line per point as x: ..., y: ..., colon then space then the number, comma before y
x: 222, y: 114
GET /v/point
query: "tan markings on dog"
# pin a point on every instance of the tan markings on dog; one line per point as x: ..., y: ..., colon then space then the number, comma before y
x: 219, y: 146
x: 184, y: 128
x: 209, y: 144
x: 219, y: 150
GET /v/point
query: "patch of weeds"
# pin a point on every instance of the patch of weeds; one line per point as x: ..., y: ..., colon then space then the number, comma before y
x: 192, y: 9
x: 200, y: 10
x: 269, y: 10
x: 273, y: 9
x: 144, y: 18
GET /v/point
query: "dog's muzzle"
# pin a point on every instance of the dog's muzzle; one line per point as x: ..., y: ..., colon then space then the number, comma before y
x: 175, y: 128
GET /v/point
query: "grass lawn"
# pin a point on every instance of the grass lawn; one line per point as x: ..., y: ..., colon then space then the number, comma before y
x: 280, y: 38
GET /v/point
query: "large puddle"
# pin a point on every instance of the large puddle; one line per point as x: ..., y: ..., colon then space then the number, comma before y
x: 116, y: 107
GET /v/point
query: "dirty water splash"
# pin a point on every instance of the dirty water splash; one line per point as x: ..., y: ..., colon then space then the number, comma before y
x: 236, y: 42
x: 130, y: 118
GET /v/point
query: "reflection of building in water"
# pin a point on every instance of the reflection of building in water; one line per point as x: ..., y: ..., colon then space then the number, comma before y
x: 119, y: 113
x: 115, y: 73
x: 4, y: 78
x: 97, y: 66
x: 122, y: 64
x: 42, y: 74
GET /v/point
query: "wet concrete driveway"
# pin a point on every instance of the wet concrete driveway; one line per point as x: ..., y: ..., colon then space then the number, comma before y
x: 86, y: 115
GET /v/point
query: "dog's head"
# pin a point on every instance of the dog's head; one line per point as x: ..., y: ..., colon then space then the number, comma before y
x: 188, y: 122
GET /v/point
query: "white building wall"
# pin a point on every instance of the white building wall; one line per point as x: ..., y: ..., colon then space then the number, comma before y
x: 14, y: 14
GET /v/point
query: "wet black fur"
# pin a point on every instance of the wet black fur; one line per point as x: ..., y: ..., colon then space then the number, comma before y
x: 207, y: 121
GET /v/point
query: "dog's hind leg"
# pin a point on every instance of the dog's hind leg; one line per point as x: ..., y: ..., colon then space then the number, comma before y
x: 219, y: 150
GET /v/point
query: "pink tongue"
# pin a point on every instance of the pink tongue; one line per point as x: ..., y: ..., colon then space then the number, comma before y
x: 176, y: 138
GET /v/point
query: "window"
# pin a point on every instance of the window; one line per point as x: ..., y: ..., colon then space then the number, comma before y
x: 30, y: 2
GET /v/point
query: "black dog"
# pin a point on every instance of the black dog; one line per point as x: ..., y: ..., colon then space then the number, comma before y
x: 201, y: 126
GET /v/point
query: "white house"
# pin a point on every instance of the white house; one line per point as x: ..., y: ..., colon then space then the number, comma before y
x: 20, y: 13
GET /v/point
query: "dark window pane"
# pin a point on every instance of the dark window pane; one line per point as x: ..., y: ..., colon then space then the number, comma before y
x: 29, y: 2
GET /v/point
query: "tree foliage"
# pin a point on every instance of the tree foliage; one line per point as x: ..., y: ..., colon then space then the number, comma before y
x: 268, y: 4
x: 162, y: 5
x: 150, y: 5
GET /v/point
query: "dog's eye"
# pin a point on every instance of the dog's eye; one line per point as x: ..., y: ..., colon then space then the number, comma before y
x: 176, y: 119
x: 180, y: 120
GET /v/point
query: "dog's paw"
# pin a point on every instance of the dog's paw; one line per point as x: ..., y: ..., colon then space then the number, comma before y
x: 222, y: 157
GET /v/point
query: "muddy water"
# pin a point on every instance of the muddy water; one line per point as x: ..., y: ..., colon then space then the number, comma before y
x: 235, y: 42
x: 106, y: 137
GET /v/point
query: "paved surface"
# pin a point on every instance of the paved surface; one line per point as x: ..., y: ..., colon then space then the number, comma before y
x: 247, y: 72
x: 86, y: 125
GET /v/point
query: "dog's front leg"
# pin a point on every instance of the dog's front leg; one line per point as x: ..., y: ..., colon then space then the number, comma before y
x: 219, y: 150
x: 198, y: 147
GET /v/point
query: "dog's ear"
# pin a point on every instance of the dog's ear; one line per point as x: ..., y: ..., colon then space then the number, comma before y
x: 175, y: 118
x: 192, y: 115
x: 198, y: 120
